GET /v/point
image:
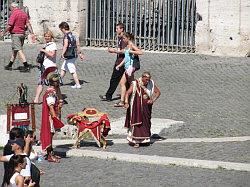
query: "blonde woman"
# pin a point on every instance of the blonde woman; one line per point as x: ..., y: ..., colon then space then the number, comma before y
x: 49, y: 61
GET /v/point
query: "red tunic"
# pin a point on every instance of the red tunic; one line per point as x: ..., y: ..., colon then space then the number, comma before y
x: 45, y: 134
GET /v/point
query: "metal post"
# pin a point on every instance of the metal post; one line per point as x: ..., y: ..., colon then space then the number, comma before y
x: 145, y: 24
x: 104, y: 24
x: 187, y: 25
x: 149, y: 25
x: 168, y: 25
x: 173, y: 26
x: 154, y: 25
x: 163, y: 26
x: 178, y: 26
x: 113, y: 23
x: 127, y: 2
x: 131, y: 16
x: 182, y: 23
x: 95, y: 31
x: 140, y: 23
x: 135, y: 18
x: 192, y: 25
x: 109, y: 24
x: 159, y: 36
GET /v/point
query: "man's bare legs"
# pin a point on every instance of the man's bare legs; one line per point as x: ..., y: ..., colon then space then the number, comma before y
x: 13, y: 56
x: 12, y: 60
x: 22, y: 58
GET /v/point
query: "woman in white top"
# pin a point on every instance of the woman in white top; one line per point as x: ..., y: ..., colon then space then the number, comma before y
x: 49, y: 61
x: 13, y: 178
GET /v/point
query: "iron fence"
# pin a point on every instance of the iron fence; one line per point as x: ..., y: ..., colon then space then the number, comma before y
x: 160, y: 25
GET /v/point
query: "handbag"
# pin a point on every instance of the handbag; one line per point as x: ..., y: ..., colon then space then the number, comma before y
x: 136, y: 63
x: 40, y: 57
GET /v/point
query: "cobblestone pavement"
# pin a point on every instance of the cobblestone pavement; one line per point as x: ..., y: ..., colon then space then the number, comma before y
x: 79, y: 172
x: 210, y: 94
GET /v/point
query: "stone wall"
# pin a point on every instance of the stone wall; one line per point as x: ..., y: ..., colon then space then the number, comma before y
x: 224, y: 28
x: 47, y: 14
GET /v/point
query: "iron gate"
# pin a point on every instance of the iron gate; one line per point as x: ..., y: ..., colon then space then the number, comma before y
x: 160, y: 25
x: 5, y: 12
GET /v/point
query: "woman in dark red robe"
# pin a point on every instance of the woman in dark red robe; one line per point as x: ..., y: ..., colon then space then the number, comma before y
x: 138, y: 119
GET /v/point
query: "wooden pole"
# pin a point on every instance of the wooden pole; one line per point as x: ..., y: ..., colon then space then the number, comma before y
x: 8, y: 117
x: 33, y: 120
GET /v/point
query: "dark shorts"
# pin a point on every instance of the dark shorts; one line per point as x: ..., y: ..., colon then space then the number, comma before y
x: 17, y: 41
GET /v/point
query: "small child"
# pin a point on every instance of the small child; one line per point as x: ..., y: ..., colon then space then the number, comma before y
x: 130, y: 51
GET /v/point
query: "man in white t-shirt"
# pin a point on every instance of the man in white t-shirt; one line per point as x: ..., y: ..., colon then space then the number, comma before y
x: 18, y: 149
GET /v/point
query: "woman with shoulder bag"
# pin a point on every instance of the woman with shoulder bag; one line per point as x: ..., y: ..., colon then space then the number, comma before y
x: 49, y: 61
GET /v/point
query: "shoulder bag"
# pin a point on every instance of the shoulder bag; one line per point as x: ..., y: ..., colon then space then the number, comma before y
x: 136, y: 63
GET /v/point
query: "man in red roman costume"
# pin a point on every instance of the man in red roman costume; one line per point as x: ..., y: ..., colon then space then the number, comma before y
x: 50, y: 112
x: 138, y: 119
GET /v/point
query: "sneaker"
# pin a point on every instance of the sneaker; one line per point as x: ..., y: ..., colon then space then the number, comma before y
x: 76, y: 86
x: 103, y: 97
x: 8, y: 68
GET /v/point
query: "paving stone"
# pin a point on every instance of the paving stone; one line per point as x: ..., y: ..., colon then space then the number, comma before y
x: 209, y: 94
x: 104, y: 173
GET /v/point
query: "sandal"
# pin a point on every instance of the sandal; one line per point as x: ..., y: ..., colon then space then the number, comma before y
x: 53, y: 154
x: 37, y: 102
x: 58, y: 157
x: 53, y: 159
x: 119, y: 104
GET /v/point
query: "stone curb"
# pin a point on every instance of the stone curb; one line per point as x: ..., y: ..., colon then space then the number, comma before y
x: 159, y: 160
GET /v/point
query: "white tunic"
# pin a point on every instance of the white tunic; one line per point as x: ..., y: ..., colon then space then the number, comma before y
x: 13, y: 179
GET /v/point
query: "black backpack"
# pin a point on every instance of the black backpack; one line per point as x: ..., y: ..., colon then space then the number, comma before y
x: 71, y: 51
x: 35, y: 174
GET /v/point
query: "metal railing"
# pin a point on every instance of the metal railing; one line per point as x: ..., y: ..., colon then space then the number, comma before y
x: 159, y: 25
